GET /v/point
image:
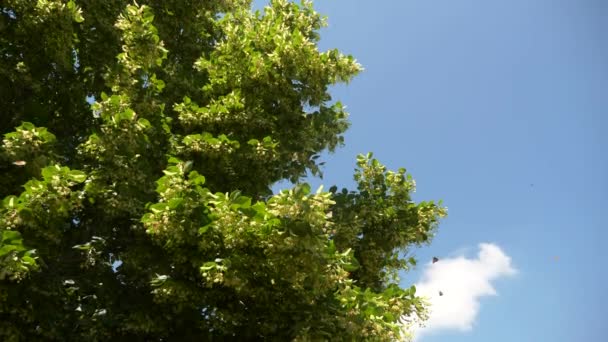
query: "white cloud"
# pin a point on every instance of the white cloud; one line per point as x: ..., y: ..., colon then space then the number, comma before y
x: 463, y: 282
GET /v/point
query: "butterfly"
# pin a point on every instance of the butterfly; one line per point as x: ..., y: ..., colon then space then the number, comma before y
x: 19, y: 162
x: 435, y: 259
x: 440, y: 293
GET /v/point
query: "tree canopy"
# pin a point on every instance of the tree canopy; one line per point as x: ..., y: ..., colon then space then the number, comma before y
x: 140, y: 142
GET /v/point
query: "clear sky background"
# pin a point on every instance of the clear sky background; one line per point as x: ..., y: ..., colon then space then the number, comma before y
x: 499, y: 108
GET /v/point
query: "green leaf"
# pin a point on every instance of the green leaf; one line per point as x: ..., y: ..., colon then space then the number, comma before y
x: 144, y: 123
x: 28, y: 260
x: 158, y: 207
x: 303, y: 188
x: 77, y: 176
x: 412, y: 261
x: 83, y: 247
x: 27, y: 126
x: 196, y: 178
x: 173, y: 161
x: 6, y: 249
x: 159, y: 280
x: 9, y: 236
x: 204, y: 229
x: 174, y: 203
x: 353, y: 264
x: 10, y: 202
x: 208, y: 266
x: 160, y: 84
x: 242, y: 202
x: 169, y: 172
x: 48, y: 172
x: 331, y: 247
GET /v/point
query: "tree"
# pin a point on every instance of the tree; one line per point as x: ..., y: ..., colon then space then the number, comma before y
x: 140, y: 144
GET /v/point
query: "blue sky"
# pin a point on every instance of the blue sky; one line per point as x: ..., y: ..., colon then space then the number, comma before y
x: 500, y: 109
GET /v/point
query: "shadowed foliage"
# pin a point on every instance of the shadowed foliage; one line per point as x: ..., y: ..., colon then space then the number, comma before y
x: 140, y: 144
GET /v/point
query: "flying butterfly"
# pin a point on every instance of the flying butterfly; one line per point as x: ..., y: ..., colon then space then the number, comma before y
x: 440, y: 293
x: 20, y: 162
x: 435, y: 259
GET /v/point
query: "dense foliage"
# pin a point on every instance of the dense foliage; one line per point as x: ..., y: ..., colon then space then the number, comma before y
x: 149, y: 215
